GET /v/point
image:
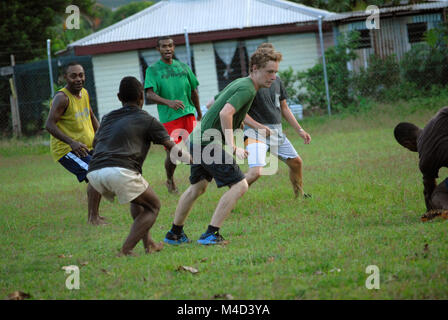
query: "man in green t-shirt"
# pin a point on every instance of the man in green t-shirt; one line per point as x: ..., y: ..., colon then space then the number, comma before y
x: 210, y: 160
x: 172, y: 85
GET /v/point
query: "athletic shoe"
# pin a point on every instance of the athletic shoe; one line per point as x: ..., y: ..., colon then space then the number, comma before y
x: 211, y: 238
x: 175, y: 239
x: 307, y: 195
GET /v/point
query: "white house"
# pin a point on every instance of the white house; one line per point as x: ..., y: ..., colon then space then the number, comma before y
x: 222, y: 35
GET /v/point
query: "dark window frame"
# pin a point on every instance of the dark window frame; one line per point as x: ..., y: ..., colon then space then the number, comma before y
x: 365, y: 41
x: 416, y: 31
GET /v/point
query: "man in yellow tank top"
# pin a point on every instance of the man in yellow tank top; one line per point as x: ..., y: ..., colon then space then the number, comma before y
x: 72, y: 126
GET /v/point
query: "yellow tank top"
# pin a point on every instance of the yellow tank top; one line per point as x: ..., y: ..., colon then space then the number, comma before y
x: 75, y: 123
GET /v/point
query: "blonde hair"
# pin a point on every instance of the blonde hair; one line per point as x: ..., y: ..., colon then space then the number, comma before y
x: 266, y: 45
x: 262, y: 56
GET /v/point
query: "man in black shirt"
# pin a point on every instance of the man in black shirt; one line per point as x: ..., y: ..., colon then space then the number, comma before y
x: 120, y: 147
x: 431, y: 143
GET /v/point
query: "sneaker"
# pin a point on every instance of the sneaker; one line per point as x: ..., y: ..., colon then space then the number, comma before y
x: 307, y: 196
x: 172, y: 238
x: 211, y: 238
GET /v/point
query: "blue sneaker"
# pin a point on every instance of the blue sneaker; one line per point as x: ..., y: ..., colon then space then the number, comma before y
x: 211, y: 238
x: 172, y: 238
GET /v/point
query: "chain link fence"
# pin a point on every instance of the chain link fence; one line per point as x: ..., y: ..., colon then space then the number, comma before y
x: 32, y: 84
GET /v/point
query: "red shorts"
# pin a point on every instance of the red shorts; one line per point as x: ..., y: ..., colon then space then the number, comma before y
x: 180, y: 128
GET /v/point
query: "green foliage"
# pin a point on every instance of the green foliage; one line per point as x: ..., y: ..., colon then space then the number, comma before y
x: 129, y: 9
x: 309, y: 86
x: 350, y: 5
x: 290, y: 79
x: 374, y: 81
x: 426, y: 64
x: 422, y: 71
x: 26, y: 25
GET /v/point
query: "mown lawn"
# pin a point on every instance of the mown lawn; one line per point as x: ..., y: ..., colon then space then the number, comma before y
x: 365, y: 210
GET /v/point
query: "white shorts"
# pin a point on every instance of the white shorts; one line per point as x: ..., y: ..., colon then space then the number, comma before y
x: 257, y: 152
x: 114, y: 181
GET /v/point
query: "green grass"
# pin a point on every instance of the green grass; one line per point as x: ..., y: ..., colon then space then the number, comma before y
x: 365, y: 210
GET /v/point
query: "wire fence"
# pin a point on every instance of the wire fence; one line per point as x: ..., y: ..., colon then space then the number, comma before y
x: 32, y: 84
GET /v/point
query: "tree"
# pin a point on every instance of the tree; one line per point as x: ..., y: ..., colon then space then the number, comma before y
x: 350, y: 5
x: 26, y: 25
x: 128, y: 10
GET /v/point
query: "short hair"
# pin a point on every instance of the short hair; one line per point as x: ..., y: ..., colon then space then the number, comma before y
x: 405, y: 131
x: 163, y: 38
x: 73, y: 63
x: 266, y: 45
x: 261, y: 57
x: 130, y: 89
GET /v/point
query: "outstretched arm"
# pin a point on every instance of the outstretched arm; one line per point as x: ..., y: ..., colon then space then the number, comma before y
x: 287, y: 114
x: 256, y: 125
x: 182, y: 155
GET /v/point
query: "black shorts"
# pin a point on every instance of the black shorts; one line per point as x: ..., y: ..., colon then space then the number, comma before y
x: 225, y: 171
x: 77, y: 166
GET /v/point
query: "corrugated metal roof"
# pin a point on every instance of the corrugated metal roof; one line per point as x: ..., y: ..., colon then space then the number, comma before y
x: 415, y: 7
x: 170, y: 17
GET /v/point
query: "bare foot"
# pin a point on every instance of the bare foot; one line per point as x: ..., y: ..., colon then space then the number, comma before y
x: 156, y: 247
x: 435, y: 213
x: 172, y: 188
x: 98, y: 221
x: 126, y: 254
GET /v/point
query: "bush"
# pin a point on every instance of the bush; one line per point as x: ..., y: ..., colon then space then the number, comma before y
x: 425, y: 66
x: 339, y: 78
x: 422, y: 72
x: 381, y: 76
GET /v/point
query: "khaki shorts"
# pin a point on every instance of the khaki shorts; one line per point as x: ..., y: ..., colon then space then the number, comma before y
x: 114, y: 181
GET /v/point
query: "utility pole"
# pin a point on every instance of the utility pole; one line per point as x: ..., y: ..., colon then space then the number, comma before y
x: 13, y: 99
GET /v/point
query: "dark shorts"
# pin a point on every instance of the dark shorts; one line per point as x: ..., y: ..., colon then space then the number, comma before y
x: 77, y: 166
x: 225, y: 172
x: 446, y: 183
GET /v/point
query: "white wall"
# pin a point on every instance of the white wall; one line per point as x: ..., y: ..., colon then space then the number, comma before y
x: 108, y: 71
x: 205, y: 65
x: 299, y: 50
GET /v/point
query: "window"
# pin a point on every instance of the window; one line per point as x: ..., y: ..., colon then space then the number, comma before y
x: 416, y: 32
x: 232, y: 59
x: 364, y: 39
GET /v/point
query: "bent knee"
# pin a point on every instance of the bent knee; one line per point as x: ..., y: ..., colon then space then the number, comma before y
x: 254, y: 173
x: 296, y: 162
x: 198, y: 189
x: 243, y: 186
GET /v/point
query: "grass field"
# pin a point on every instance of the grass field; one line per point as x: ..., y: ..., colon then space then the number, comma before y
x: 365, y: 210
